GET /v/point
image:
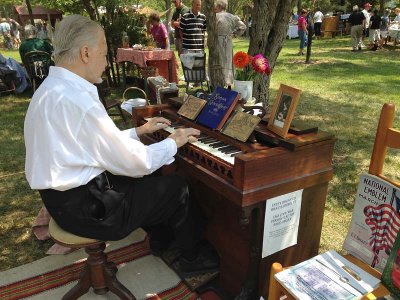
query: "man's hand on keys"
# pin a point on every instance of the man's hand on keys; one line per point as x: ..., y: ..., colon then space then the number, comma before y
x: 152, y: 125
x: 181, y: 136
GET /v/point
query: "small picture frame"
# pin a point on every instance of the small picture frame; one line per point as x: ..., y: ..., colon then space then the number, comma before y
x: 283, y: 110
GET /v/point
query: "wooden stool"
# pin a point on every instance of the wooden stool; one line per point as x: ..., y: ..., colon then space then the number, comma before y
x: 97, y: 273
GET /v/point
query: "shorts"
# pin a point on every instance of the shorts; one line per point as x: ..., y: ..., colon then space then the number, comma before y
x: 384, y: 34
x: 374, y: 35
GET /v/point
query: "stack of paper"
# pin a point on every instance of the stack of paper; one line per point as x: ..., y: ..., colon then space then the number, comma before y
x: 328, y: 276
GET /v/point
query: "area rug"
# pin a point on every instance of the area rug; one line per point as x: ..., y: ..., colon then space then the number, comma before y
x: 146, y: 276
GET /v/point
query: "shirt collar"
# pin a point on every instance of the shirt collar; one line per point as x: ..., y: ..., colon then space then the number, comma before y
x: 198, y: 14
x: 75, y: 79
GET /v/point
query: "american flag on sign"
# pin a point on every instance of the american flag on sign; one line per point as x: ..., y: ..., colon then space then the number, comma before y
x: 384, y: 222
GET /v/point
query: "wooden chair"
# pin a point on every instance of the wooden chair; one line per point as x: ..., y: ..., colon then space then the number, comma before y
x: 196, y: 74
x: 104, y: 91
x: 98, y: 272
x: 37, y: 64
x: 386, y: 137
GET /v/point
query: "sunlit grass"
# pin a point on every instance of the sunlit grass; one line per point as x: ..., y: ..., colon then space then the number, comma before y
x: 343, y: 93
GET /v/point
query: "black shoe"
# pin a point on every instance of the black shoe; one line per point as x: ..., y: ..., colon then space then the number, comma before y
x: 206, y: 261
x: 359, y: 48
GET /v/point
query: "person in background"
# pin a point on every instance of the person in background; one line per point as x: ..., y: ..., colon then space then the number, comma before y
x: 180, y: 10
x: 374, y: 30
x: 32, y: 43
x: 193, y: 25
x: 385, y: 27
x: 94, y: 178
x: 397, y: 12
x: 318, y: 17
x: 367, y: 15
x: 15, y: 72
x: 356, y: 20
x: 5, y: 31
x: 158, y: 31
x: 302, y: 30
x: 227, y: 25
x: 249, y: 23
x: 16, y: 40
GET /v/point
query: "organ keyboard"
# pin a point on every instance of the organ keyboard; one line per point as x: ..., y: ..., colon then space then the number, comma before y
x: 231, y: 181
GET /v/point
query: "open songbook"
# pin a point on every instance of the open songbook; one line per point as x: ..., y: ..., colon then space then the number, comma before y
x: 328, y: 276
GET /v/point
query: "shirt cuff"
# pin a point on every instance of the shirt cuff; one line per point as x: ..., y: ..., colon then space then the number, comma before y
x: 173, y: 148
x: 133, y: 134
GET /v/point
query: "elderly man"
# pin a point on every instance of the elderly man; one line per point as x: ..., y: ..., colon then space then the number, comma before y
x: 356, y: 20
x: 32, y: 43
x: 193, y: 25
x: 227, y: 25
x: 92, y: 177
x: 180, y: 10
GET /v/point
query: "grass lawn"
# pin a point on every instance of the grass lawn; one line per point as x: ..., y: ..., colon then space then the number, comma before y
x: 343, y: 93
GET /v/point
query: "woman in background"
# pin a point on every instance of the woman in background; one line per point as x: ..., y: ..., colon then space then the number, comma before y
x: 158, y: 31
x: 302, y: 30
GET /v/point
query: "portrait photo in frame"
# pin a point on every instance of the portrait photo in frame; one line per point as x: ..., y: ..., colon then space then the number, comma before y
x: 283, y: 110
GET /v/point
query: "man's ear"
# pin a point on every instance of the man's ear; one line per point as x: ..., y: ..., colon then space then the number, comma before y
x: 85, y: 54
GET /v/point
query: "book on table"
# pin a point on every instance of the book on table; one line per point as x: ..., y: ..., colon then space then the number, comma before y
x: 375, y: 221
x: 218, y: 108
x: 328, y: 276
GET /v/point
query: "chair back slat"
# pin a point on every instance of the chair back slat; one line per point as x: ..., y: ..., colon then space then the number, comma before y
x: 37, y: 64
x: 196, y: 74
x: 386, y: 137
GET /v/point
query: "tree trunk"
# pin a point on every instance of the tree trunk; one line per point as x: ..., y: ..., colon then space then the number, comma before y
x: 29, y: 7
x: 268, y: 35
x: 214, y: 66
x: 89, y: 9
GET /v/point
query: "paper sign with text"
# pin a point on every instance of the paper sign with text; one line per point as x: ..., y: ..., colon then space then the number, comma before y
x: 281, y: 226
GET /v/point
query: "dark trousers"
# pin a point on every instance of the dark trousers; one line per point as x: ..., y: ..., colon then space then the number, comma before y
x: 317, y: 28
x: 149, y: 202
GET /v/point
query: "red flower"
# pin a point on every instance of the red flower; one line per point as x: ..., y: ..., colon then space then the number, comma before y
x: 260, y: 64
x: 241, y: 59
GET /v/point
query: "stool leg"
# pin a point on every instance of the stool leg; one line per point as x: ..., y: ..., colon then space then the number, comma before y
x: 97, y: 261
x: 82, y: 287
x: 115, y: 286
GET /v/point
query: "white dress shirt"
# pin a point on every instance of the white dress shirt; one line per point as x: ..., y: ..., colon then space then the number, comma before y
x: 70, y: 138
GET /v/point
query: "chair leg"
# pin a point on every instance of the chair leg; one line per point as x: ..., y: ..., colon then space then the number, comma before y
x: 187, y: 87
x: 122, y: 114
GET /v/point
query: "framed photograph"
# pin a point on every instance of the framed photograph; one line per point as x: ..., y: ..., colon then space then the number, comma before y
x: 283, y: 110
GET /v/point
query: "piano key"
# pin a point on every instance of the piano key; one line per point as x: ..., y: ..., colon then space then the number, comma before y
x: 204, y: 142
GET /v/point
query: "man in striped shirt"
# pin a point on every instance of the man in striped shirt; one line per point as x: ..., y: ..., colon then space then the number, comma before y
x: 193, y: 25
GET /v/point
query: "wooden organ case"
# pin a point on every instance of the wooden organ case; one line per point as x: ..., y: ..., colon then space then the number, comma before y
x: 233, y: 196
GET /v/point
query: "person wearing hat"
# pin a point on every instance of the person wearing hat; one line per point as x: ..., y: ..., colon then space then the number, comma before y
x: 32, y: 43
x: 367, y: 15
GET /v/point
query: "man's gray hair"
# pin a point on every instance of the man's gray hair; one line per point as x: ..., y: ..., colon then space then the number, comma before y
x: 223, y: 4
x: 355, y: 8
x: 30, y: 31
x: 71, y: 34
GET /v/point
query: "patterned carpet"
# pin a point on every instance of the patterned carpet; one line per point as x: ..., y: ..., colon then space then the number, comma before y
x: 146, y: 276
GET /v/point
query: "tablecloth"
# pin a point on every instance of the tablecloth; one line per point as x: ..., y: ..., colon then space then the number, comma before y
x: 292, y: 32
x: 156, y: 58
